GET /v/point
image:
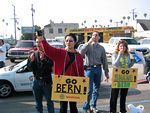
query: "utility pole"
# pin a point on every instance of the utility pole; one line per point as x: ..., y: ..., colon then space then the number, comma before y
x: 117, y: 23
x: 33, y: 11
x: 133, y: 13
x: 15, y: 24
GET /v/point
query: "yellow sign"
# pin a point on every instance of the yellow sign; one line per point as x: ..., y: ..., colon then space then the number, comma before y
x: 124, y: 78
x: 70, y: 88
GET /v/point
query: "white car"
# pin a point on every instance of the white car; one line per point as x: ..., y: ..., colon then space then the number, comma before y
x: 15, y: 78
x: 145, y: 42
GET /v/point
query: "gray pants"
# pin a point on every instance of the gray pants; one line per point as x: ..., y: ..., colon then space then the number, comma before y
x: 2, y: 64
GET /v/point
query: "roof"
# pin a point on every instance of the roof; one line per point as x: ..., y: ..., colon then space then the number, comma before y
x: 145, y: 23
x: 48, y: 25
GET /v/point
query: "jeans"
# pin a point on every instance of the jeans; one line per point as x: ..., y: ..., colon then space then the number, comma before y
x: 113, y: 99
x: 94, y: 74
x: 39, y: 89
x: 64, y: 105
x: 2, y: 64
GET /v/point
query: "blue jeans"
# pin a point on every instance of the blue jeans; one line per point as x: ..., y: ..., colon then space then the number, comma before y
x: 39, y: 89
x: 94, y: 84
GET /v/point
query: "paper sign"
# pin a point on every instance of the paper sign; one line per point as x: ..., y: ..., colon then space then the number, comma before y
x: 70, y: 88
x: 124, y: 78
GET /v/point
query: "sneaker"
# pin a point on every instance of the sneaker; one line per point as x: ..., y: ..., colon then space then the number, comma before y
x: 84, y: 111
x: 94, y: 110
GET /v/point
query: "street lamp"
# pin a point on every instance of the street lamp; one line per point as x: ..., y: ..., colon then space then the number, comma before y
x: 15, y: 24
x: 33, y: 11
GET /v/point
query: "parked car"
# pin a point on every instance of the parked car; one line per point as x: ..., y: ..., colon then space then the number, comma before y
x: 15, y: 78
x: 53, y: 40
x: 57, y: 45
x: 22, y: 50
x: 132, y: 44
x: 7, y: 48
x: 145, y: 42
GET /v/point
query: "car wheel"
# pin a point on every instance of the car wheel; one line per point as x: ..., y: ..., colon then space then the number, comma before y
x: 12, y: 60
x: 6, y: 89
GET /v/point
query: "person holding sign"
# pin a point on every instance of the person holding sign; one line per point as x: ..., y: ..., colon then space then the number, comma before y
x: 95, y: 56
x: 41, y: 66
x: 66, y: 62
x: 120, y: 58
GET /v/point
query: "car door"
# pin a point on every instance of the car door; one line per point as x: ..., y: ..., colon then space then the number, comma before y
x: 23, y: 79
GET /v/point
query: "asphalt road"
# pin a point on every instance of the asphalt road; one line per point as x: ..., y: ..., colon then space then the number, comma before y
x: 23, y: 102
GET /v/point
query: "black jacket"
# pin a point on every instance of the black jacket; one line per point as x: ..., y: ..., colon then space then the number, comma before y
x: 41, y: 69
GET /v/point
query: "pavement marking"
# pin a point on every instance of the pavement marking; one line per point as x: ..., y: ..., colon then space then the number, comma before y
x: 101, y: 106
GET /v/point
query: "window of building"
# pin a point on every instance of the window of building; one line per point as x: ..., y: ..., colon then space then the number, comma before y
x: 59, y: 30
x: 51, y: 30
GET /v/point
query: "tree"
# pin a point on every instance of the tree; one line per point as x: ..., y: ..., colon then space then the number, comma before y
x: 135, y: 15
x: 145, y: 14
x: 28, y: 36
x: 124, y: 18
x: 128, y: 18
x: 82, y: 24
x: 3, y: 20
x: 110, y: 21
x: 121, y: 22
x: 95, y: 22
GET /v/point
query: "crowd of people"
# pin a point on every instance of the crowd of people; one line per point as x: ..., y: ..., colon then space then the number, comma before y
x: 69, y: 62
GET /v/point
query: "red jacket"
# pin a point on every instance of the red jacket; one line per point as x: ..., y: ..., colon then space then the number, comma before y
x: 58, y: 56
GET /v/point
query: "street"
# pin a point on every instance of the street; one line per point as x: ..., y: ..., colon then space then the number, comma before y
x: 23, y: 102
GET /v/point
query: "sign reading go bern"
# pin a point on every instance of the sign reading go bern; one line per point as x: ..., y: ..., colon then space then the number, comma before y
x: 70, y: 88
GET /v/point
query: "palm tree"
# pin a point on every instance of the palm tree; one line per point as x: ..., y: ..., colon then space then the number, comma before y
x: 121, y: 22
x: 110, y: 21
x: 3, y: 20
x: 100, y: 26
x: 128, y: 18
x: 124, y: 18
x: 135, y: 15
x: 82, y: 24
x: 95, y: 22
x: 145, y: 14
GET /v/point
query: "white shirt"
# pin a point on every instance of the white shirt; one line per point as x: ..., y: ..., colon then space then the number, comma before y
x: 3, y: 55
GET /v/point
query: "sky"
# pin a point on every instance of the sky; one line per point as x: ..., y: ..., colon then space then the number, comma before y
x: 68, y: 11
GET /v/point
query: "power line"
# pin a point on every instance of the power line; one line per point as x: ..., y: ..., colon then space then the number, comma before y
x: 133, y: 12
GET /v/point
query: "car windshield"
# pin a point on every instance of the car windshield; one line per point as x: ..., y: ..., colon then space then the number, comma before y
x: 131, y: 41
x: 24, y: 44
x: 146, y: 41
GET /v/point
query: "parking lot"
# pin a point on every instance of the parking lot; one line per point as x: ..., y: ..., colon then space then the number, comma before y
x: 23, y: 102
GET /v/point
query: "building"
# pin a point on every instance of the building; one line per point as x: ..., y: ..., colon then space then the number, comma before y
x: 53, y: 30
x: 142, y: 26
